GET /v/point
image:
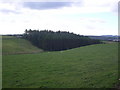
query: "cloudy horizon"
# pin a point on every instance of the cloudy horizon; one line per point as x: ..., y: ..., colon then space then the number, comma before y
x: 81, y: 17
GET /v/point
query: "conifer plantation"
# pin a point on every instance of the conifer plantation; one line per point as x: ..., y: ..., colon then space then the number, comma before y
x: 57, y: 41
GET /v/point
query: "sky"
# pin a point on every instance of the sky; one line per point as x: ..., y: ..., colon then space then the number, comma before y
x: 84, y: 17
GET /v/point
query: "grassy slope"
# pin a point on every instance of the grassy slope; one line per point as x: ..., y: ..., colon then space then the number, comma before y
x: 13, y: 45
x: 85, y: 67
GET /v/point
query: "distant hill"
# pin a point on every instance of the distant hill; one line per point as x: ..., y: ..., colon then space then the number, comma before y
x: 106, y: 37
x: 16, y: 45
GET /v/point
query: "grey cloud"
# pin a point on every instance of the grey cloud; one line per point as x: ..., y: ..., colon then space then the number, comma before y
x: 90, y: 27
x: 98, y: 21
x: 9, y: 11
x: 46, y: 5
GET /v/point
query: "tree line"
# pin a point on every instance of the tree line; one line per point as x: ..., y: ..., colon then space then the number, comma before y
x: 56, y: 41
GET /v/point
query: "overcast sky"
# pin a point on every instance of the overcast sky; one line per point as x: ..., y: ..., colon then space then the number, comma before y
x: 85, y: 17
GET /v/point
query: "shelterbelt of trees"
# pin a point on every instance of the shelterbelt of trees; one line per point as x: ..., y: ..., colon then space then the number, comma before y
x: 57, y: 41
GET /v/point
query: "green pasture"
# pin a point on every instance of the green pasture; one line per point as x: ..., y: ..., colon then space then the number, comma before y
x: 14, y: 45
x: 93, y: 66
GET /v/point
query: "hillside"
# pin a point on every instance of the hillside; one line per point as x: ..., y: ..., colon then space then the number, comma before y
x: 93, y: 66
x: 14, y: 45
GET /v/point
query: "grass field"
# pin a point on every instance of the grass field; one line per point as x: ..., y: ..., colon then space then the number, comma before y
x: 93, y: 66
x: 13, y: 45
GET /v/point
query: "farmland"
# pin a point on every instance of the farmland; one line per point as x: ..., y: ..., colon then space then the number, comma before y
x: 92, y: 66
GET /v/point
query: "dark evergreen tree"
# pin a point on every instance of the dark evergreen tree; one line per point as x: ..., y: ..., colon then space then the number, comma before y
x: 56, y: 41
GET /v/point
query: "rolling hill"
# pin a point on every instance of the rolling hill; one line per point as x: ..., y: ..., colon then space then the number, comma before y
x: 93, y: 66
x: 14, y: 45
